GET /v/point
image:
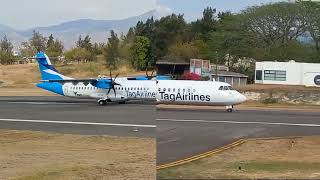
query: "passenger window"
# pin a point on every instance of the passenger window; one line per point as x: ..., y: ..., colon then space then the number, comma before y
x: 174, y: 89
x: 169, y: 89
x: 159, y: 89
x: 164, y: 89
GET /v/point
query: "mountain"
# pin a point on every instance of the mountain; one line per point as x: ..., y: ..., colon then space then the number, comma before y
x: 69, y: 32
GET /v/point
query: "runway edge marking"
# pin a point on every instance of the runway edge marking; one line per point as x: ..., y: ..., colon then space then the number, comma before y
x: 202, y: 155
x: 78, y: 123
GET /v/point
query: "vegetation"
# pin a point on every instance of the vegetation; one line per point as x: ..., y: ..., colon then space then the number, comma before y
x: 277, y: 31
x: 39, y: 42
x: 6, y: 51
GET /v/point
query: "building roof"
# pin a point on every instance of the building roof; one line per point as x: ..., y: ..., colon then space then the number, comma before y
x: 172, y: 61
x: 228, y: 73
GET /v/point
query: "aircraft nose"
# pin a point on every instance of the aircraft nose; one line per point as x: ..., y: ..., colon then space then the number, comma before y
x: 242, y: 98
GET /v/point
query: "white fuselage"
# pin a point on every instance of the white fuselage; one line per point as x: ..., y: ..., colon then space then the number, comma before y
x: 163, y: 91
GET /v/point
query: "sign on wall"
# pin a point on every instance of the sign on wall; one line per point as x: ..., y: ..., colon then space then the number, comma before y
x: 317, y: 80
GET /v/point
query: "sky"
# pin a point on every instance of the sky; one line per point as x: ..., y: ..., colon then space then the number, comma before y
x: 24, y: 14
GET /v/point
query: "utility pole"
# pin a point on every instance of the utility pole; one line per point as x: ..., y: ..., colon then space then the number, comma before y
x: 216, y: 58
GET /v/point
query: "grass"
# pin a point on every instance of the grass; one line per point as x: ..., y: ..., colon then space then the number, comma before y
x: 30, y: 155
x: 275, y: 159
x: 231, y: 170
x: 75, y: 172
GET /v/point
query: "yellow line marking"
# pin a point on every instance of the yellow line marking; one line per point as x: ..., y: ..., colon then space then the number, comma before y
x: 221, y: 149
x: 203, y: 155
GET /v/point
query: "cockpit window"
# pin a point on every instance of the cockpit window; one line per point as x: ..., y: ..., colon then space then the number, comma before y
x: 225, y: 88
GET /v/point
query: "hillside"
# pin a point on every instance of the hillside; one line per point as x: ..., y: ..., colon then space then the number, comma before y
x: 68, y: 32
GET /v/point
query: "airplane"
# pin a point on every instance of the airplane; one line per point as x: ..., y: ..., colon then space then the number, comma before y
x: 124, y: 89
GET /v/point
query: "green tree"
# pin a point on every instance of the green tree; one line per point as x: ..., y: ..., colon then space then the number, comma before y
x: 55, y: 49
x: 140, y: 53
x: 275, y: 25
x: 79, y: 55
x: 50, y: 41
x: 6, y: 51
x: 185, y: 51
x: 111, y: 51
x: 85, y: 43
x: 38, y: 42
x: 312, y: 14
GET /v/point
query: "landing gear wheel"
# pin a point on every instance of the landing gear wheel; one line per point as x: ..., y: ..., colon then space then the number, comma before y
x: 229, y: 109
x: 102, y: 102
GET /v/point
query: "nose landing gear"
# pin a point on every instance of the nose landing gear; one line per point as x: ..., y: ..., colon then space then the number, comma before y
x: 229, y: 109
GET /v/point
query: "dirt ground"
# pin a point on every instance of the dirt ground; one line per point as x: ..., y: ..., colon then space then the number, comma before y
x: 292, y: 158
x: 28, y: 155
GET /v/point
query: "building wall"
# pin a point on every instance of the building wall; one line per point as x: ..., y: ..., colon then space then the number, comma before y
x: 296, y: 73
x: 232, y: 80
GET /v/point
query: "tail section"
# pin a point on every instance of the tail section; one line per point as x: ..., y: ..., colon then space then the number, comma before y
x: 48, y: 72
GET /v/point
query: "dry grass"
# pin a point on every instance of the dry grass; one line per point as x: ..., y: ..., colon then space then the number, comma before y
x: 19, y: 75
x: 276, y: 159
x: 35, y: 155
x: 27, y: 75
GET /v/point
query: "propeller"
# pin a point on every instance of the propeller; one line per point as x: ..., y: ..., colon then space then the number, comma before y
x: 147, y: 75
x: 113, y: 84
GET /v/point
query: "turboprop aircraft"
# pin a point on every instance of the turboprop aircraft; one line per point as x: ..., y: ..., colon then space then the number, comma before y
x: 125, y: 89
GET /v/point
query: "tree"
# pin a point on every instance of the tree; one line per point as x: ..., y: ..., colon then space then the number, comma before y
x: 208, y: 21
x: 84, y: 43
x: 275, y: 25
x: 312, y: 12
x: 111, y: 51
x: 50, y: 41
x: 38, y: 42
x: 79, y: 55
x: 185, y: 51
x: 55, y: 49
x: 6, y: 51
x: 140, y: 53
x: 168, y: 30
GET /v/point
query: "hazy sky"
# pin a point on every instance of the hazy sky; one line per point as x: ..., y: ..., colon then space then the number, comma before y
x: 23, y: 14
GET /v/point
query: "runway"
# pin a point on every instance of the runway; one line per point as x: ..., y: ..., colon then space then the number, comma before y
x: 72, y: 116
x: 179, y: 133
x: 185, y: 133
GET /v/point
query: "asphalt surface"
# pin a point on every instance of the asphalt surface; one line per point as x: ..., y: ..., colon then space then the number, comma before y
x: 113, y: 119
x: 179, y: 133
x: 178, y: 138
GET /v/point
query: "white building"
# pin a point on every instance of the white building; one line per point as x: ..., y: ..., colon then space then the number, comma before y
x: 288, y: 73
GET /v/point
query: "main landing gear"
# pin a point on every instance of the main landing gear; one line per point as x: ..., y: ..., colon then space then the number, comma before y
x: 102, y: 102
x: 229, y: 109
